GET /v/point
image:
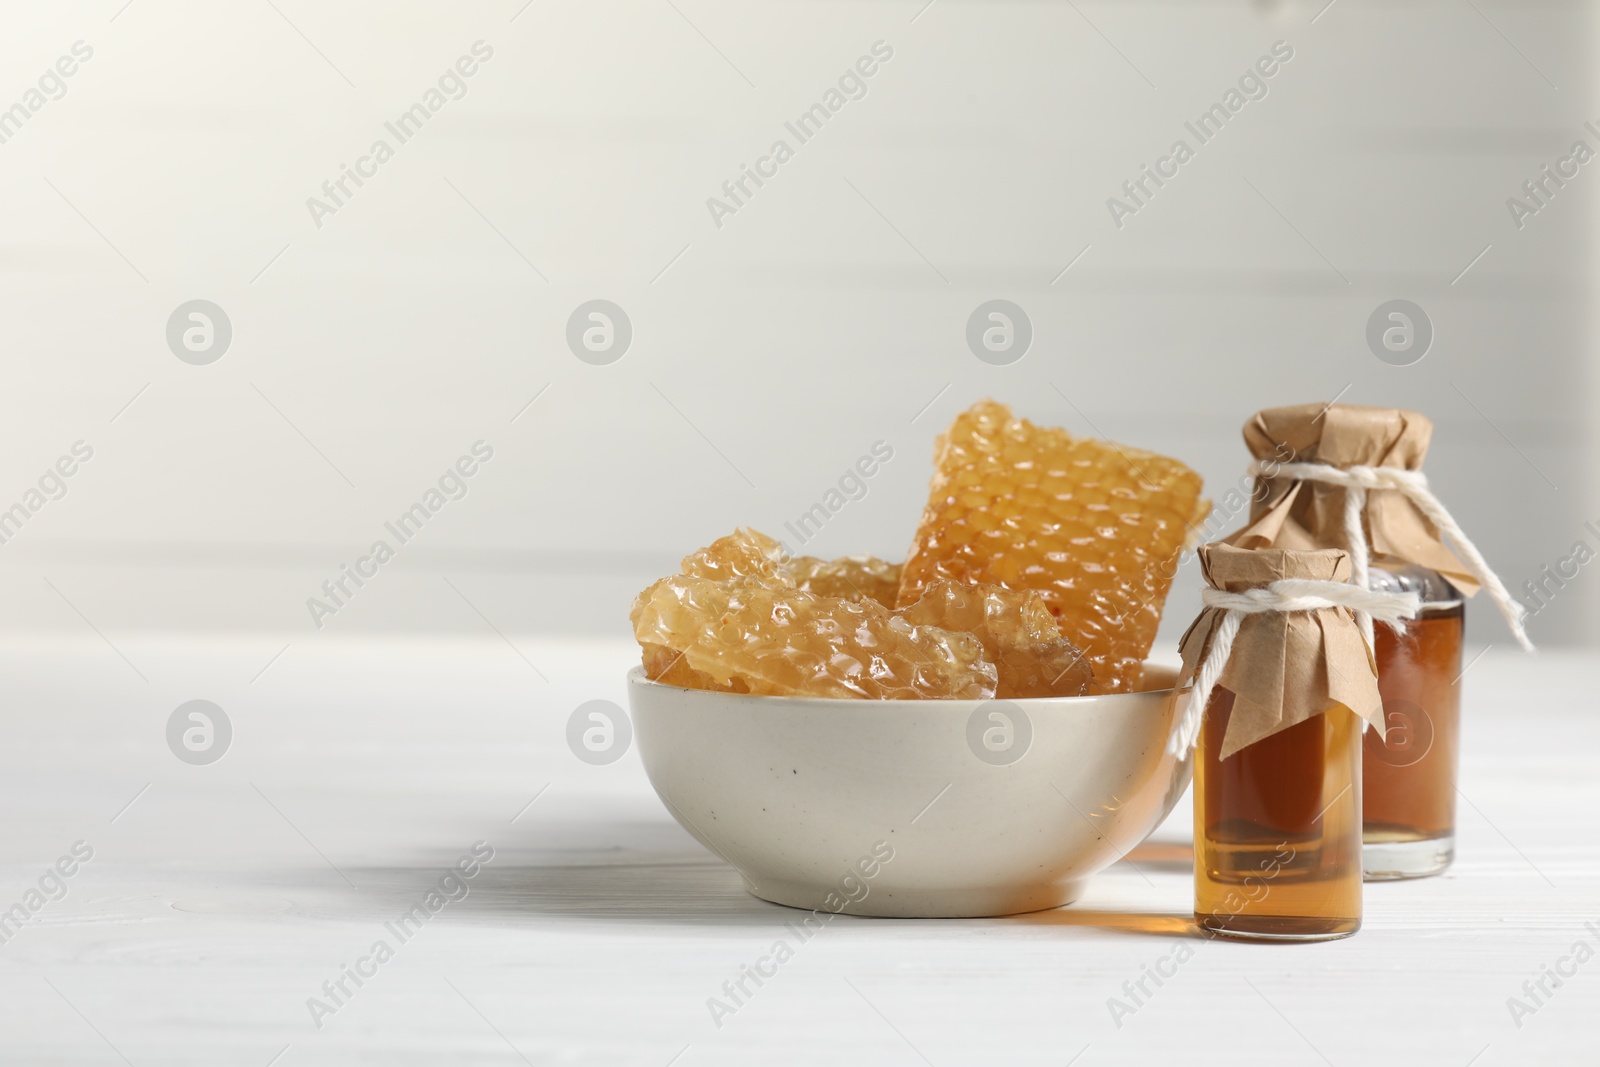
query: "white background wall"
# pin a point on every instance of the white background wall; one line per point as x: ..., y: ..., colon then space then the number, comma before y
x: 370, y: 352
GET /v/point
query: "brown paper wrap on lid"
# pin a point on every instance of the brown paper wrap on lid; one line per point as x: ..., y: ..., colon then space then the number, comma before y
x: 1300, y: 515
x: 1286, y: 667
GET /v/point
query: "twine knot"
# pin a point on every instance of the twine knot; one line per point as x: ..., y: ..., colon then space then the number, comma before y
x: 1283, y: 595
x: 1356, y: 481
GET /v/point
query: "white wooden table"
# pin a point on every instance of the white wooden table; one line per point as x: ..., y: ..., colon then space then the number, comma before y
x: 223, y: 897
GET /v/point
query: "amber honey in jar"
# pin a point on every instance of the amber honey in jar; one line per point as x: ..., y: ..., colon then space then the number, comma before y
x: 1409, y: 775
x: 1277, y: 829
x: 1281, y: 684
x: 1308, y: 460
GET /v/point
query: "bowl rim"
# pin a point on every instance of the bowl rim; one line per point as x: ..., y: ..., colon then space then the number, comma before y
x: 636, y: 677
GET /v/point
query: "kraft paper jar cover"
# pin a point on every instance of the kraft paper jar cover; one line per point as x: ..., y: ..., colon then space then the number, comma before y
x: 1303, y: 515
x: 1286, y: 667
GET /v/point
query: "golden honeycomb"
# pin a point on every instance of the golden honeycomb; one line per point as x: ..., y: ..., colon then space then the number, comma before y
x: 1094, y: 528
x: 777, y: 640
x: 663, y: 664
x: 748, y: 553
x: 745, y: 553
x: 851, y: 577
x: 1018, y: 633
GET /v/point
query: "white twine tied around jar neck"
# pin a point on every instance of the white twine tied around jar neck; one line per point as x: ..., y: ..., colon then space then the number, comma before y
x: 1355, y: 481
x: 1283, y: 595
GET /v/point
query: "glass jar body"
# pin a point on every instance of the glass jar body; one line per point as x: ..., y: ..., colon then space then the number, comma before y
x: 1409, y: 776
x: 1277, y: 834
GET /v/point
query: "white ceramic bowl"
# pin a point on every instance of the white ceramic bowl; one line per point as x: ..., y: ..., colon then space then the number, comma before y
x: 912, y: 808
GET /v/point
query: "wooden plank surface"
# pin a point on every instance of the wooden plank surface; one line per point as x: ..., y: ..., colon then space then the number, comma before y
x: 222, y: 897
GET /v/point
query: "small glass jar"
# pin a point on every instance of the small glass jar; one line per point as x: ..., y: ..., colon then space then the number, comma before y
x: 1277, y: 829
x: 1409, y: 778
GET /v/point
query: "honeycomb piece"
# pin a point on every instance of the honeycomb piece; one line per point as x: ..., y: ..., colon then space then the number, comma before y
x: 748, y: 553
x: 780, y: 641
x: 1094, y: 527
x: 851, y: 577
x: 1018, y: 634
x: 663, y: 664
x: 745, y: 553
